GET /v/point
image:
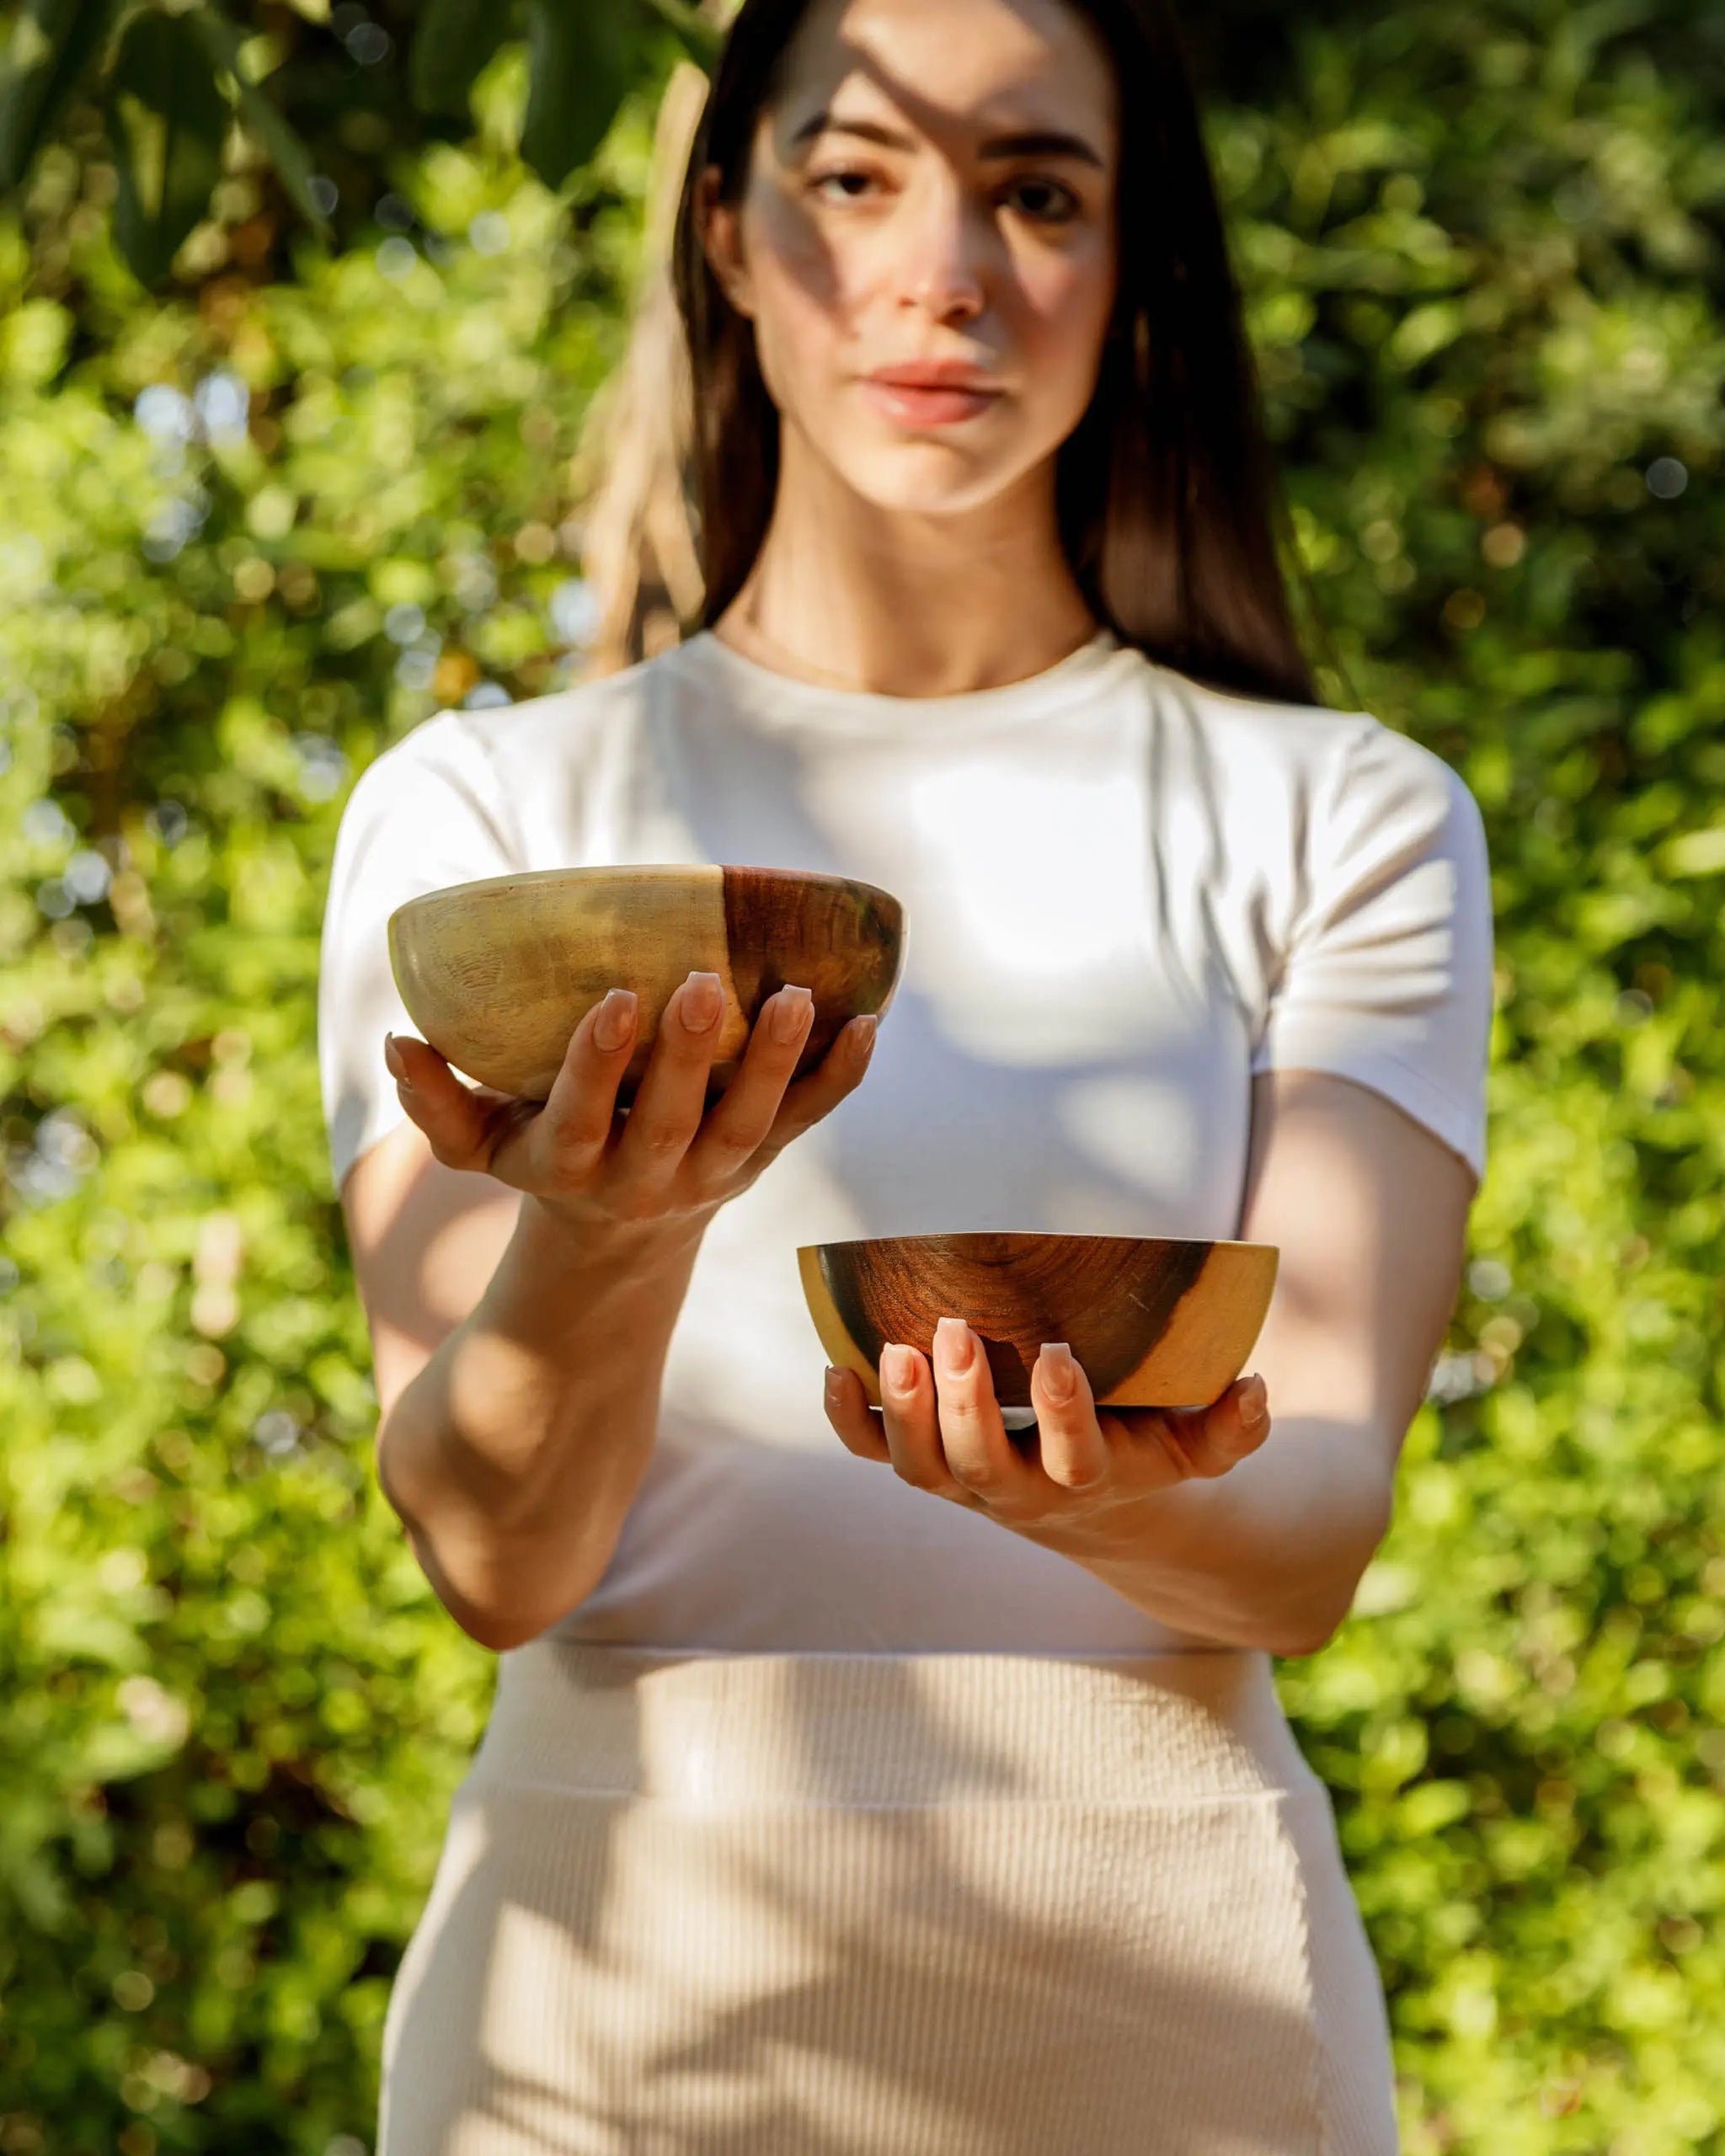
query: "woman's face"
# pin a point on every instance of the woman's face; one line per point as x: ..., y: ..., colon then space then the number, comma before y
x: 935, y: 182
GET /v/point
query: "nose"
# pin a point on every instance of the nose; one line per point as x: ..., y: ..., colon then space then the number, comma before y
x: 939, y: 262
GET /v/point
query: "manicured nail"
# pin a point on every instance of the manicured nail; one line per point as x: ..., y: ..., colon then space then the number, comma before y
x: 898, y: 1367
x: 393, y: 1057
x: 1253, y: 1402
x: 616, y: 1019
x: 956, y: 1345
x: 834, y: 1379
x: 702, y: 999
x: 1059, y: 1373
x: 862, y: 1032
x: 791, y: 1011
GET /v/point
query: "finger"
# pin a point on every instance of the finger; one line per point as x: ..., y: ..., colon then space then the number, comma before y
x: 911, y: 1425
x: 455, y: 1121
x: 1210, y: 1440
x: 744, y: 1114
x: 580, y: 1110
x: 1075, y: 1453
x: 838, y: 1074
x: 979, y: 1453
x: 672, y: 1096
x: 847, y: 1409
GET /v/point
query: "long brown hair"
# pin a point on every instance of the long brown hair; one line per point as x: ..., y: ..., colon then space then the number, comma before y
x: 1168, y: 500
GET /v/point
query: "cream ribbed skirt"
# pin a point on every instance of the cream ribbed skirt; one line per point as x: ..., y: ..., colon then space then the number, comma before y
x: 933, y: 1905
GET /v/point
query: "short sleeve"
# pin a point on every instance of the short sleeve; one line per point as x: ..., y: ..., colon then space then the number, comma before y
x: 1388, y: 976
x: 425, y: 813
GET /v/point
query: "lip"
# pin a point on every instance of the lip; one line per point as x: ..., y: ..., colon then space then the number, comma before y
x: 929, y: 396
x: 936, y: 374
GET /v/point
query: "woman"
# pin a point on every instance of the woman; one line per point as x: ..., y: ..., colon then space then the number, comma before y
x: 867, y: 1780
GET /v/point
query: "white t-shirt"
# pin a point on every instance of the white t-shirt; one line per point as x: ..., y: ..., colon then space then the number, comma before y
x: 1124, y: 893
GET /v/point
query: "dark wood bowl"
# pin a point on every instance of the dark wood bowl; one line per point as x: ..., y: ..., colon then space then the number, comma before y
x: 498, y: 974
x: 1153, y: 1320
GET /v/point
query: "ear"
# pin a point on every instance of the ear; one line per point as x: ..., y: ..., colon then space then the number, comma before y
x: 720, y: 226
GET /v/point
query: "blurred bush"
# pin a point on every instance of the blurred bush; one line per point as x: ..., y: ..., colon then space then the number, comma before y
x: 244, y: 541
x: 249, y: 535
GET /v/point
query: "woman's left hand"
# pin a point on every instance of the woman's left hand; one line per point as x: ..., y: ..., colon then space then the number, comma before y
x: 1086, y: 1472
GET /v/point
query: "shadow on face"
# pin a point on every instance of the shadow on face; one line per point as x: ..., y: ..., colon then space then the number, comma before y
x: 930, y: 184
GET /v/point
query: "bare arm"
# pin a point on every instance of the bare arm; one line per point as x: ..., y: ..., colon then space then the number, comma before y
x: 1369, y: 1210
x: 522, y: 1272
x: 1227, y: 1532
x: 514, y: 1447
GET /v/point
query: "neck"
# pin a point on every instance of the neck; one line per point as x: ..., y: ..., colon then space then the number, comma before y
x: 851, y: 595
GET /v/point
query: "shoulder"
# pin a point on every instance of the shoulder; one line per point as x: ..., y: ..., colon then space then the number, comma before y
x: 437, y: 769
x: 569, y: 729
x: 541, y: 728
x: 492, y: 754
x: 1324, y: 764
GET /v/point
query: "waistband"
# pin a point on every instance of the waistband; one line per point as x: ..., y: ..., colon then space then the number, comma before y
x: 878, y: 1730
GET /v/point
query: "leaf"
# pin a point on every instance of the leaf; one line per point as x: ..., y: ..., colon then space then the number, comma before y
x: 287, y: 149
x: 700, y: 38
x: 579, y: 57
x: 165, y: 120
x: 51, y: 50
x: 454, y: 40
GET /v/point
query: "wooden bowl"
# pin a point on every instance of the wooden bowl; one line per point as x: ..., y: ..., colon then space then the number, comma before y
x: 498, y: 974
x: 1153, y: 1320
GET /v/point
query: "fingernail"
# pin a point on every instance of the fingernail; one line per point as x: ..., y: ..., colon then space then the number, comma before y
x: 955, y: 1344
x: 1059, y: 1374
x: 1253, y: 1407
x: 863, y: 1030
x: 898, y: 1367
x: 834, y: 1378
x: 790, y: 1013
x: 617, y: 1014
x: 703, y: 1000
x: 393, y: 1057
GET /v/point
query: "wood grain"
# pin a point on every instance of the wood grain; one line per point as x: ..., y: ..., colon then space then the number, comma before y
x: 840, y: 939
x: 1154, y: 1321
x: 498, y: 974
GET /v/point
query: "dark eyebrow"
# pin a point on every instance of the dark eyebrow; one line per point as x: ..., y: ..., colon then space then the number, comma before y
x: 1031, y: 142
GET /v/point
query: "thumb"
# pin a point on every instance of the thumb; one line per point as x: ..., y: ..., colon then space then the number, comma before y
x: 458, y: 1122
x: 1209, y: 1441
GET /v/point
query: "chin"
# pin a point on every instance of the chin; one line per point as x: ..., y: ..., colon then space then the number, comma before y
x: 923, y: 479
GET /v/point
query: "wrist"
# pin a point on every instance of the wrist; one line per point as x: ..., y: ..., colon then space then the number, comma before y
x: 616, y: 1252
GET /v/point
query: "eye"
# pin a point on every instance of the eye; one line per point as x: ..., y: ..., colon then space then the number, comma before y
x: 840, y: 172
x: 1065, y: 203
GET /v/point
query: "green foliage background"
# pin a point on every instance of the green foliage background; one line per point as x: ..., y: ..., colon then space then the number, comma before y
x: 1482, y: 247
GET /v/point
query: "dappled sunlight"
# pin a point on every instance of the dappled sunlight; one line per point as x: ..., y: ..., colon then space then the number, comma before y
x: 779, y: 1915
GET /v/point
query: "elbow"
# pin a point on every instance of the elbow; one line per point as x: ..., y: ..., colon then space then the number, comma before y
x: 493, y: 1616
x: 1309, y: 1627
x: 483, y: 1580
x: 498, y: 1629
x: 468, y: 1584
x: 1295, y: 1637
x: 1300, y: 1625
x: 498, y: 1635
x: 1289, y: 1629
x: 1306, y: 1624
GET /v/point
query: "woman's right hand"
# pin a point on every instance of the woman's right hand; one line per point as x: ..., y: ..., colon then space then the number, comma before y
x: 670, y: 1161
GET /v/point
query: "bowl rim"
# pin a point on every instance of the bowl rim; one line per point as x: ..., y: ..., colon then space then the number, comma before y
x: 1035, y: 1234
x: 633, y: 870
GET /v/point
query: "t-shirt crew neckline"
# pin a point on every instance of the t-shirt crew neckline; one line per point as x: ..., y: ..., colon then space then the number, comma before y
x: 782, y: 702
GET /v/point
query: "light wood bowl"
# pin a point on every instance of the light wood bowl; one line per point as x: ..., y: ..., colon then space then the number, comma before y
x: 498, y: 974
x: 1152, y: 1320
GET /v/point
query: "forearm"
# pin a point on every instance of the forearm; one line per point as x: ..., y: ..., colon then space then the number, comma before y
x: 513, y: 1455
x: 1267, y: 1556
